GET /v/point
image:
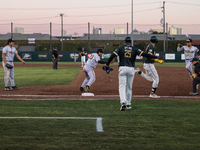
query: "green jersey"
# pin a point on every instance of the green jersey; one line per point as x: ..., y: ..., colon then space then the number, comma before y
x: 127, y: 55
x: 150, y: 50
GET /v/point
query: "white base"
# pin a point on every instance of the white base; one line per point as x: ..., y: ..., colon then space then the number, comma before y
x: 87, y: 94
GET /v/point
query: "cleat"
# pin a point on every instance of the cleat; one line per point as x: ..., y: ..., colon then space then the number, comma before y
x: 137, y: 70
x: 193, y: 93
x: 123, y: 107
x: 15, y: 88
x: 86, y: 88
x: 7, y: 88
x: 193, y: 76
x: 154, y: 96
x: 81, y: 89
x: 128, y: 107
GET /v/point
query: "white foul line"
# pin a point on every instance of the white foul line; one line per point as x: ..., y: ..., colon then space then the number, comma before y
x: 99, y: 126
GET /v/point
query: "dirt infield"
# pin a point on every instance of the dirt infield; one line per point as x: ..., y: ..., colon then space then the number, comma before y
x: 174, y: 82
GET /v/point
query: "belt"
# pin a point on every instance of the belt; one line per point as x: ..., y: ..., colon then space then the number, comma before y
x: 10, y: 61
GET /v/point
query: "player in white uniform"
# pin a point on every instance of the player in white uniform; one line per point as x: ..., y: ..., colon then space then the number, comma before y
x: 189, y: 52
x: 88, y: 69
x: 8, y: 54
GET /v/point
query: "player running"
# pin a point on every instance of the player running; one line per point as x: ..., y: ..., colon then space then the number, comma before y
x: 151, y: 72
x: 127, y: 55
x: 189, y: 51
x: 8, y: 54
x: 88, y: 69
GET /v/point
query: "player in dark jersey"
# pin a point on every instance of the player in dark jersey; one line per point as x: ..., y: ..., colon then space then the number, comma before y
x: 151, y: 73
x: 83, y: 54
x: 127, y: 55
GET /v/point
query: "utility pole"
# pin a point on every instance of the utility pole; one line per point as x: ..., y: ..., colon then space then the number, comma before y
x: 50, y: 37
x: 127, y: 28
x: 132, y: 22
x: 11, y: 30
x: 61, y: 15
x: 164, y: 37
x: 88, y: 36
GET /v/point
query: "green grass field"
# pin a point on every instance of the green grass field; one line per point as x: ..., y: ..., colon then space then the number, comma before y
x: 32, y: 76
x: 150, y: 124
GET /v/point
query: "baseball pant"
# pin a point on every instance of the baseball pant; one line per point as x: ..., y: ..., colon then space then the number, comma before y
x: 126, y: 76
x: 9, y: 74
x: 90, y: 76
x: 82, y: 60
x: 151, y: 74
x: 189, y: 67
x: 55, y: 63
x: 195, y: 83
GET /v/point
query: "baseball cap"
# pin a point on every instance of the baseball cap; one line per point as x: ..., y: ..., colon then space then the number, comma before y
x: 10, y: 40
x: 194, y: 59
x: 189, y: 40
x: 55, y: 48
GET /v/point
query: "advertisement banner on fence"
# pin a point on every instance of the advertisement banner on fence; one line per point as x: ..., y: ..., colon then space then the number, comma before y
x: 170, y: 56
x: 26, y: 56
x: 42, y: 56
x: 182, y: 56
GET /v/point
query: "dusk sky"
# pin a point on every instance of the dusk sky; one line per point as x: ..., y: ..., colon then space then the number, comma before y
x: 35, y: 15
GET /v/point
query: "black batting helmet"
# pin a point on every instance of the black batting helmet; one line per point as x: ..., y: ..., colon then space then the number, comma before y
x: 154, y: 39
x: 127, y: 39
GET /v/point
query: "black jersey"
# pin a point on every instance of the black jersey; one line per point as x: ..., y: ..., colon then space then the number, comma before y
x: 197, y: 69
x: 150, y: 50
x: 55, y: 53
x: 83, y: 53
x: 127, y: 55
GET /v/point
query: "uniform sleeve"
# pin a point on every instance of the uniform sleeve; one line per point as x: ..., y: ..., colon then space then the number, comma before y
x: 139, y: 52
x: 150, y: 51
x: 4, y: 50
x: 179, y: 49
x: 96, y: 58
x: 116, y: 52
x: 16, y: 52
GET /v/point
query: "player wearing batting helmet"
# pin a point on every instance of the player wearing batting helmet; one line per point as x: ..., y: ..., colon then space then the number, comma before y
x: 151, y: 72
x: 127, y: 55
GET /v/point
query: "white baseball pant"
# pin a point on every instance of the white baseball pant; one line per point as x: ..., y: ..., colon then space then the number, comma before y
x: 9, y: 74
x: 189, y: 67
x: 90, y: 76
x: 126, y: 76
x: 82, y: 60
x: 151, y: 74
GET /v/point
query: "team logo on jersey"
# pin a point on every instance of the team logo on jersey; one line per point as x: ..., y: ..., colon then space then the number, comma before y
x: 151, y: 50
x: 11, y: 52
x: 139, y: 50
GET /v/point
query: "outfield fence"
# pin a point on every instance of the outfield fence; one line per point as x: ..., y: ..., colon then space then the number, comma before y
x: 73, y: 56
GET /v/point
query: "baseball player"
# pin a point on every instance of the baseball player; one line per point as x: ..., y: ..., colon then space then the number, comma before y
x: 127, y: 55
x: 88, y: 69
x: 82, y: 54
x: 151, y: 73
x: 189, y: 51
x: 196, y: 80
x: 8, y: 54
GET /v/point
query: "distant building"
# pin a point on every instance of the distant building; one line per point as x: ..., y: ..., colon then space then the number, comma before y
x: 64, y: 33
x: 175, y: 30
x: 97, y: 31
x: 118, y: 31
x: 18, y: 30
x: 158, y: 31
x: 150, y: 31
x: 135, y: 31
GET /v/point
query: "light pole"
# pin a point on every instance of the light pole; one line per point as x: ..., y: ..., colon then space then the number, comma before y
x: 61, y: 15
x: 132, y: 22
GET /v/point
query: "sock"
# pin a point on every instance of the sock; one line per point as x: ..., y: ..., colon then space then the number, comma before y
x: 153, y: 91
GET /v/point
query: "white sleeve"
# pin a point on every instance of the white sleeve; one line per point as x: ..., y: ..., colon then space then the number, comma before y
x: 4, y: 50
x: 179, y: 49
x: 16, y: 52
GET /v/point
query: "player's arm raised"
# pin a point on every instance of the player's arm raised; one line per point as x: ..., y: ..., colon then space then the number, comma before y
x: 179, y: 48
x: 18, y: 57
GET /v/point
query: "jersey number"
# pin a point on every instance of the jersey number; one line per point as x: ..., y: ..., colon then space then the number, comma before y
x: 127, y: 53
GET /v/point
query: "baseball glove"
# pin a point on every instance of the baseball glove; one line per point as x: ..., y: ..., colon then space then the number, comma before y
x: 107, y: 69
x: 9, y: 66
